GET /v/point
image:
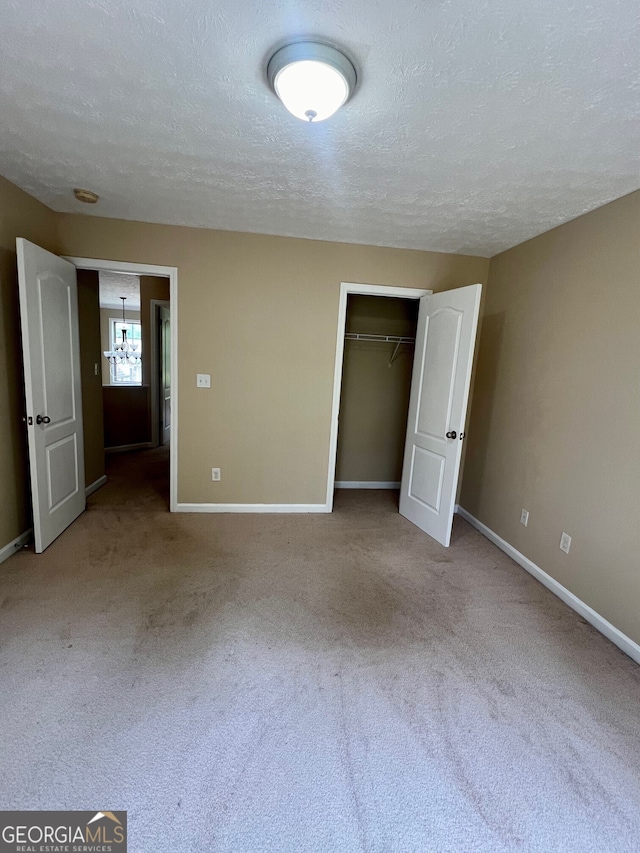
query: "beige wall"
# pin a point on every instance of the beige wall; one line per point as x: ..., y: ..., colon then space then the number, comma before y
x: 20, y: 216
x: 126, y: 414
x: 260, y: 315
x: 556, y: 410
x: 90, y: 359
x: 375, y: 397
x: 151, y: 287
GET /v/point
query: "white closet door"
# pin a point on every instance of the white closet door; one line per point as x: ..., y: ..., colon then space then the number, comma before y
x: 445, y: 340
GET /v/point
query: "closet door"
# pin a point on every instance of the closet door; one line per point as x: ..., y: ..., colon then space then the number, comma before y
x: 445, y: 341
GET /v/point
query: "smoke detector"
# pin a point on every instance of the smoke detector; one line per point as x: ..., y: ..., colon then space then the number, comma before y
x: 86, y: 196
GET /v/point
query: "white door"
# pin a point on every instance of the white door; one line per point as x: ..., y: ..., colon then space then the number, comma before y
x: 165, y: 374
x: 51, y: 352
x: 445, y: 341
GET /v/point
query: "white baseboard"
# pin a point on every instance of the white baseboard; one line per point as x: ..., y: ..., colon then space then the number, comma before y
x: 366, y: 484
x: 93, y: 487
x: 624, y: 643
x: 182, y: 507
x: 14, y: 546
x: 120, y: 448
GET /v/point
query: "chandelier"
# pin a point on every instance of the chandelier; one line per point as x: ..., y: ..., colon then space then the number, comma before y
x: 124, y: 352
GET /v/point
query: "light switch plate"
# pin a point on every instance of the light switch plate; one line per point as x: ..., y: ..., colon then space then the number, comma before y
x: 565, y: 542
x: 203, y: 380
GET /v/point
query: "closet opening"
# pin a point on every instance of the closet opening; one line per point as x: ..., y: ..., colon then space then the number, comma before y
x: 377, y: 364
x: 370, y: 414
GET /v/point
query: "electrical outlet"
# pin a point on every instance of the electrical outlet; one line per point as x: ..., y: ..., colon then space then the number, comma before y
x: 95, y: 370
x: 216, y: 476
x: 524, y: 517
x: 203, y: 380
x: 565, y: 542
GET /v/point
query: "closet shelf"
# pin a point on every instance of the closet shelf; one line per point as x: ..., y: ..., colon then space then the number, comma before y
x: 389, y: 339
x: 383, y: 339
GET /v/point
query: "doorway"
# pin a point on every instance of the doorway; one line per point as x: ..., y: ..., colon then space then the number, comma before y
x: 440, y: 381
x: 52, y: 292
x: 170, y: 423
x: 347, y: 290
x: 379, y: 344
x: 134, y: 382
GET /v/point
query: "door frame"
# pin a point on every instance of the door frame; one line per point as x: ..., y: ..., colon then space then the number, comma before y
x: 154, y: 304
x: 346, y: 289
x: 171, y: 273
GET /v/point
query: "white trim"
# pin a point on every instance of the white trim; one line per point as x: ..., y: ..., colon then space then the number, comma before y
x: 121, y: 448
x: 172, y: 274
x: 347, y: 287
x: 10, y: 549
x: 97, y: 484
x: 258, y: 508
x: 118, y: 266
x: 624, y: 643
x: 366, y: 484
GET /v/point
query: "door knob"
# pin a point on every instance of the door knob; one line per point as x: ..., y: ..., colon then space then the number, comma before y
x: 452, y: 434
x: 43, y: 419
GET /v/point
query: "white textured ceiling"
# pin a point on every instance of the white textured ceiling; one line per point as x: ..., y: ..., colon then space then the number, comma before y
x: 114, y: 285
x: 476, y: 125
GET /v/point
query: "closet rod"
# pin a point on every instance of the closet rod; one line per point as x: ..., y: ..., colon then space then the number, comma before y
x: 386, y: 339
x: 390, y: 339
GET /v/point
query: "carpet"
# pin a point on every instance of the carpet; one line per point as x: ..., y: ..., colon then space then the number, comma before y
x: 310, y: 683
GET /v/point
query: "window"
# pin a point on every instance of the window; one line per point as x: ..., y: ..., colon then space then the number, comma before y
x: 126, y: 374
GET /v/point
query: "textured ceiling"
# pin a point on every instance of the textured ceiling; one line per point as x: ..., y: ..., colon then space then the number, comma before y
x: 114, y: 285
x: 476, y: 123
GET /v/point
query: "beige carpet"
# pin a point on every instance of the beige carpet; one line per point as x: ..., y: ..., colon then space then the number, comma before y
x: 308, y: 683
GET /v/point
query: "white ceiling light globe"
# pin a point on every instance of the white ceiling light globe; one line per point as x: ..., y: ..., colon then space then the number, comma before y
x: 312, y: 80
x: 310, y: 90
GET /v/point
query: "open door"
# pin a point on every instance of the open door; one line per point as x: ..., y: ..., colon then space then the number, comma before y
x: 164, y: 316
x: 51, y: 352
x: 445, y: 341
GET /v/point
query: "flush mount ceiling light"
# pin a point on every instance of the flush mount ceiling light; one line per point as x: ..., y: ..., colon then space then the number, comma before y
x: 87, y: 196
x: 312, y: 79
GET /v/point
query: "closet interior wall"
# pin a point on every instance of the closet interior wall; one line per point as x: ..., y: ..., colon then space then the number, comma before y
x: 374, y: 398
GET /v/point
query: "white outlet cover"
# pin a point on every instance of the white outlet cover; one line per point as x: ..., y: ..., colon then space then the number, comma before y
x: 565, y: 542
x: 203, y: 380
x: 524, y: 517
